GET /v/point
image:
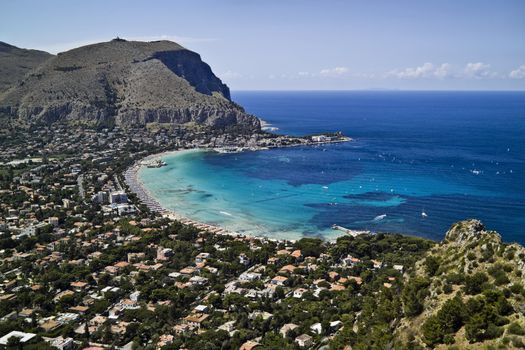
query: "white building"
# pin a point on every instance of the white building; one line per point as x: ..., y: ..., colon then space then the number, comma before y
x: 118, y: 197
x: 22, y: 337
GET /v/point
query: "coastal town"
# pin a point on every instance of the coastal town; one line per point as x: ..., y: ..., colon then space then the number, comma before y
x: 90, y: 262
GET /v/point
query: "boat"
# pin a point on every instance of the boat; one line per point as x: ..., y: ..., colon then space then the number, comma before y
x: 423, y: 214
x: 379, y: 217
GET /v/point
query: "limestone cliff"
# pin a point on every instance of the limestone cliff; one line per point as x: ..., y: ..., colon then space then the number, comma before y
x: 127, y: 83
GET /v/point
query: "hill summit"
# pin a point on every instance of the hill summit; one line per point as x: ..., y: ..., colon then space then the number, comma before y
x: 127, y: 83
x: 466, y: 293
x: 15, y: 63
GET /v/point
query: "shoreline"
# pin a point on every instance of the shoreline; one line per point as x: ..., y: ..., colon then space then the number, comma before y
x: 136, y: 186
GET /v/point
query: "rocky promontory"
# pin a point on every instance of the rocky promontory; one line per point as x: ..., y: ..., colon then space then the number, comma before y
x: 125, y: 83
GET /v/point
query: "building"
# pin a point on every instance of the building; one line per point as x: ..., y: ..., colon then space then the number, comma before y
x: 249, y: 345
x: 164, y: 254
x: 118, y: 197
x: 304, y: 341
x: 22, y: 337
x: 298, y: 293
x: 287, y: 328
x: 196, y: 320
x: 279, y: 280
x: 316, y: 328
x: 60, y: 343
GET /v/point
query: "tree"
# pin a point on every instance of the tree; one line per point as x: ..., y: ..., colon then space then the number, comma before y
x: 431, y: 265
x: 474, y: 284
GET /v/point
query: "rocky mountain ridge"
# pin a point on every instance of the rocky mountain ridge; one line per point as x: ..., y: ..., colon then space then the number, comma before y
x: 125, y: 83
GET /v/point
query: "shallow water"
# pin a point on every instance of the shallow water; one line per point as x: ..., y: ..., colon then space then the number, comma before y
x: 451, y: 155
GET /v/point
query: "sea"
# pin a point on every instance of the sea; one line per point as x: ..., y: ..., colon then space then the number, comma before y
x: 418, y: 162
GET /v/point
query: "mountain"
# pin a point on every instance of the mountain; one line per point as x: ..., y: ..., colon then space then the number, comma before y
x: 127, y: 83
x: 15, y: 63
x: 466, y: 293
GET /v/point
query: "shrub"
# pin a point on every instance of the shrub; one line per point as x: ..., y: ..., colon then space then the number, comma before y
x: 516, y: 328
x: 431, y: 265
x: 475, y: 284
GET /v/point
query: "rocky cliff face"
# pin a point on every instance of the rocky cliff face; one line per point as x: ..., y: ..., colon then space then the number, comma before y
x: 15, y: 63
x: 127, y: 83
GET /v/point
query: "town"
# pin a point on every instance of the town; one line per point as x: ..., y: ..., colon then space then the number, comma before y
x: 85, y: 264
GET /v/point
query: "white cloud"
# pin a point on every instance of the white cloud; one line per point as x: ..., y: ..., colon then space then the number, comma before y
x: 334, y: 72
x: 230, y: 75
x: 427, y: 70
x: 478, y: 70
x: 518, y: 73
x: 443, y: 71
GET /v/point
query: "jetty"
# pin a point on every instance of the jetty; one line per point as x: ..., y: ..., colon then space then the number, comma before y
x: 353, y: 233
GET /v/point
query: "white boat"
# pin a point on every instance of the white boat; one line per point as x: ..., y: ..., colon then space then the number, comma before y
x: 380, y: 217
x: 423, y: 214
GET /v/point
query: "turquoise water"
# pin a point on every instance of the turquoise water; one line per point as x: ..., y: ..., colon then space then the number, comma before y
x: 449, y: 155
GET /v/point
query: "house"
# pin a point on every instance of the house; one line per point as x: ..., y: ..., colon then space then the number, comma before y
x: 287, y: 269
x: 283, y: 252
x: 297, y: 254
x: 273, y: 260
x: 202, y: 309
x: 287, y: 328
x: 249, y: 276
x: 165, y: 339
x: 22, y: 337
x: 377, y: 264
x: 249, y: 345
x: 164, y: 254
x: 60, y: 342
x: 183, y: 328
x: 198, y: 280
x: 50, y: 325
x: 189, y: 270
x: 350, y: 261
x: 279, y: 280
x: 298, y: 293
x: 337, y: 287
x: 80, y: 309
x: 201, y: 257
x: 63, y: 294
x: 196, y: 320
x: 78, y: 286
x: 243, y: 259
x: 335, y: 325
x: 316, y: 328
x: 304, y: 341
x: 228, y: 327
x: 333, y: 275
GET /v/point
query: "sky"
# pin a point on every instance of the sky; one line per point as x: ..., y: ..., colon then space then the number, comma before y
x: 302, y: 45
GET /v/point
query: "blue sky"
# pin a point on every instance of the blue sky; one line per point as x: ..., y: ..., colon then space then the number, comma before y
x: 295, y: 45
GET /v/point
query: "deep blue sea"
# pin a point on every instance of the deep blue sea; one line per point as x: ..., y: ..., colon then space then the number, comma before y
x: 449, y: 155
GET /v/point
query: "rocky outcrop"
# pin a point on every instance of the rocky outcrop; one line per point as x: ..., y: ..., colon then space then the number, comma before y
x: 129, y: 84
x: 469, y: 231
